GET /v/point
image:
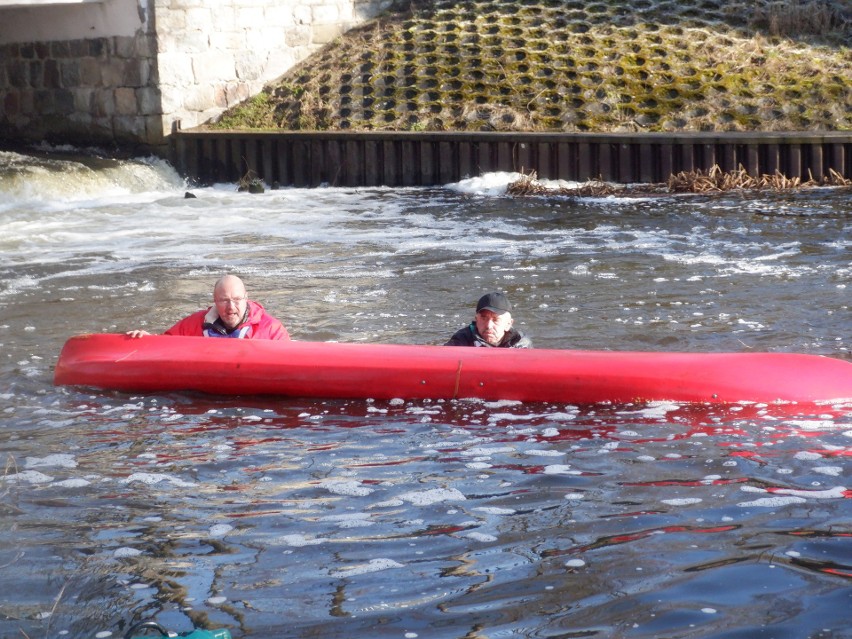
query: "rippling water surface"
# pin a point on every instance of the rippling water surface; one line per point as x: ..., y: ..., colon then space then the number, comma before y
x: 308, y: 518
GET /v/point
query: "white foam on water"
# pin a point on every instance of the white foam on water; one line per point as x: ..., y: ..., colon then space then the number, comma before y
x: 684, y: 501
x: 772, y: 502
x: 653, y: 410
x: 152, y: 479
x: 299, y: 540
x: 832, y: 471
x: 494, y: 510
x: 58, y: 460
x: 559, y: 469
x: 501, y: 403
x: 838, y: 492
x: 343, y: 487
x: 374, y: 565
x: 484, y: 451
x: 495, y: 183
x: 806, y: 455
x: 812, y: 425
x: 481, y: 537
x: 496, y: 418
x: 29, y: 477
x: 544, y: 453
x: 349, y: 520
x: 430, y: 497
x: 220, y: 530
x: 72, y: 483
x: 47, y: 180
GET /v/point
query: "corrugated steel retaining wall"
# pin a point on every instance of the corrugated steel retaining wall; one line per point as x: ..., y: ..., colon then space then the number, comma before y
x: 306, y: 159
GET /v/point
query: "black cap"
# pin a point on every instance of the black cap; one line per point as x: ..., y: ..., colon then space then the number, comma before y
x: 494, y: 302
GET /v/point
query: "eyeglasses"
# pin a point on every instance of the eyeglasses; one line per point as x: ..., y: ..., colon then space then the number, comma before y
x: 236, y: 301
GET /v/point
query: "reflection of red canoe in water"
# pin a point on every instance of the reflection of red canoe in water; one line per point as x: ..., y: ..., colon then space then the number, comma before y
x: 386, y: 371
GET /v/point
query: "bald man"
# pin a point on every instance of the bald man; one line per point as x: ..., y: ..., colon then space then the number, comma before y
x: 233, y: 314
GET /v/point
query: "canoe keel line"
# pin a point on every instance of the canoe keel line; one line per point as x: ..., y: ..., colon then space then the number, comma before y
x: 159, y: 363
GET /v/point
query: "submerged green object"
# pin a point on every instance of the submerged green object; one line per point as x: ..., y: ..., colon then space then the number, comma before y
x: 197, y: 633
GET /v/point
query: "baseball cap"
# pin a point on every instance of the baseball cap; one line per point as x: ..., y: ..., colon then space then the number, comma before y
x: 494, y: 302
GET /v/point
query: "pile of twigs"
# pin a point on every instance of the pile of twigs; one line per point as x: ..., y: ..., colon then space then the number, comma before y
x: 715, y: 180
x: 528, y: 184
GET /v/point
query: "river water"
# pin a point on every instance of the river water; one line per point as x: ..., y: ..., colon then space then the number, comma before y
x: 308, y: 518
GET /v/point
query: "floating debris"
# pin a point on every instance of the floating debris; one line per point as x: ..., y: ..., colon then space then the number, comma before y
x: 528, y: 184
x: 250, y: 182
x: 714, y: 180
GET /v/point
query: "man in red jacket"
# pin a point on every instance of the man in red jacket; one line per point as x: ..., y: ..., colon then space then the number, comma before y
x: 232, y: 315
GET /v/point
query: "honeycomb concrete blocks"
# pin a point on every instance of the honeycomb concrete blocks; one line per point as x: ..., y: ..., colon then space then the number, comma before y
x: 575, y: 66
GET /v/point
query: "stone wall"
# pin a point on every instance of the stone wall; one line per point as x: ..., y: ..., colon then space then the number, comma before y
x: 124, y: 72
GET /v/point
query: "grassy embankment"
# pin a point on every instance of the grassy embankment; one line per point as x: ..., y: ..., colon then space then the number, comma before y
x: 574, y: 66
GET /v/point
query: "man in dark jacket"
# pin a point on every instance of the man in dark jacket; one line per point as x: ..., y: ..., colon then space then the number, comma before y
x: 491, y: 326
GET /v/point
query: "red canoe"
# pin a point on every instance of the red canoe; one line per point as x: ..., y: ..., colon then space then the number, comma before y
x: 386, y: 371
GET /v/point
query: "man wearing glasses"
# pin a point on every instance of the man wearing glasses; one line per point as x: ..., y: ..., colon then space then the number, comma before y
x: 232, y: 315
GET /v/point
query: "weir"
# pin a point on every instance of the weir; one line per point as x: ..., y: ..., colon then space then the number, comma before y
x: 306, y: 159
x: 144, y: 74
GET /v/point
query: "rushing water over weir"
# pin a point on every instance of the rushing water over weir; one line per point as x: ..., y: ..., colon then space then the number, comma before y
x: 294, y: 518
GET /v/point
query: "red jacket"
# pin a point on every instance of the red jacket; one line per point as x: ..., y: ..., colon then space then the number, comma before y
x: 260, y: 324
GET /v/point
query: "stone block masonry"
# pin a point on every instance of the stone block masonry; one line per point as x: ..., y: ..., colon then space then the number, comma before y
x: 122, y: 72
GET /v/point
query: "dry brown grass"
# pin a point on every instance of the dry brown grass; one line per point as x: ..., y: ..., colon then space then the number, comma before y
x: 792, y: 19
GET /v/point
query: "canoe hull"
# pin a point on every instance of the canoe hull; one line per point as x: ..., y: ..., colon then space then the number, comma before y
x: 386, y: 371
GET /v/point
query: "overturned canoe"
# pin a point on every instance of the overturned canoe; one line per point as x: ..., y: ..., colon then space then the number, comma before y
x: 159, y: 363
